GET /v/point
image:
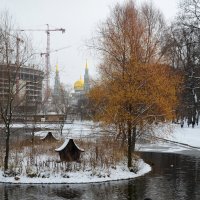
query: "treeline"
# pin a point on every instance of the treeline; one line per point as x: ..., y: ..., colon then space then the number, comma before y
x: 183, y: 50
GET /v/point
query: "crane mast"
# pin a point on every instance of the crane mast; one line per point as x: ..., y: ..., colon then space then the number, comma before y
x: 47, y: 56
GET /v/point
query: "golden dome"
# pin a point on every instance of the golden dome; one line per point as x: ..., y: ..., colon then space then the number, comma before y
x: 79, y: 85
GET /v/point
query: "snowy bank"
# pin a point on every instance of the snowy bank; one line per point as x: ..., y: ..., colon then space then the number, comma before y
x: 121, y: 172
x: 187, y: 135
x: 177, y: 140
x: 101, y: 161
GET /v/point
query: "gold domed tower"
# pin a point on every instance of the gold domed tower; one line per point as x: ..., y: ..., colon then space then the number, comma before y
x: 79, y: 85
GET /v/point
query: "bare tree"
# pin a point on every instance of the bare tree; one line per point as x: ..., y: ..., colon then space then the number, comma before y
x: 61, y: 105
x: 15, y: 52
x: 189, y: 13
x: 183, y: 50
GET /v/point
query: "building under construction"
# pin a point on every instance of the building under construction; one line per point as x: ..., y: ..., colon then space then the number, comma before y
x: 24, y: 84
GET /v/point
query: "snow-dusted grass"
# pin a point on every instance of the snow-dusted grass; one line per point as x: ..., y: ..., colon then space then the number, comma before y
x: 102, y: 160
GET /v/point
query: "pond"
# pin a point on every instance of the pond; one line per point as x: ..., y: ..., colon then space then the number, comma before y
x: 174, y: 177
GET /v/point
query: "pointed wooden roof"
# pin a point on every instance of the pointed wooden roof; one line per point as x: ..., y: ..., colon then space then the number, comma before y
x: 62, y: 147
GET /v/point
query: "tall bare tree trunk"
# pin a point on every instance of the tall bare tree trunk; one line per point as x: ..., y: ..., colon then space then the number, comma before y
x: 7, y: 148
x: 129, y: 144
x: 133, y: 138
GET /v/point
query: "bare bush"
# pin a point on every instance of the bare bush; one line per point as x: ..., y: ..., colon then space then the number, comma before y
x: 41, y: 160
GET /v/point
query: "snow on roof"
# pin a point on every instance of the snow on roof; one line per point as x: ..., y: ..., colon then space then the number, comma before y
x: 65, y: 144
x: 47, y: 135
x: 78, y: 147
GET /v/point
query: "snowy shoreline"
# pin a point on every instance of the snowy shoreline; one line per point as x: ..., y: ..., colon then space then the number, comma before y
x: 78, y: 129
x: 120, y: 173
x: 185, y: 135
x: 185, y: 139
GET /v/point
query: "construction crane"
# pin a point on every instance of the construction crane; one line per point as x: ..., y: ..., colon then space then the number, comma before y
x: 47, y: 53
x: 53, y: 51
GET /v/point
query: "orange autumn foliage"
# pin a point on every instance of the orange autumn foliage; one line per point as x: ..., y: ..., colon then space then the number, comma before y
x: 146, y: 92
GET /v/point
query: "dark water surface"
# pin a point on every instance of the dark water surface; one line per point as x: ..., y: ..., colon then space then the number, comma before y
x: 174, y: 177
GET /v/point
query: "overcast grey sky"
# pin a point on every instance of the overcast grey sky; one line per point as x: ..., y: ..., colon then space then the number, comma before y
x: 79, y: 18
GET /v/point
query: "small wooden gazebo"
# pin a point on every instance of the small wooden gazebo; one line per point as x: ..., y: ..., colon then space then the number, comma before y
x: 69, y: 151
x: 49, y: 137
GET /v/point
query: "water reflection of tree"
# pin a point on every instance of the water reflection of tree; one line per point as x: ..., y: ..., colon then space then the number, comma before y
x: 132, y: 191
x: 6, y: 193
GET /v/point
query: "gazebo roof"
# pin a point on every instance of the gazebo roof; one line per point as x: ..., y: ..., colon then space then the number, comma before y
x: 66, y: 143
x: 49, y: 134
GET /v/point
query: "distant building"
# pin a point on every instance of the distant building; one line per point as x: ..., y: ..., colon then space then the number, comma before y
x: 59, y: 100
x: 81, y: 87
x: 26, y: 85
x: 65, y: 102
x: 86, y: 79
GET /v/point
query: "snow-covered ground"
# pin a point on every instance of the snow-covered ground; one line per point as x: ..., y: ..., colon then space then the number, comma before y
x: 75, y: 130
x: 121, y: 172
x: 186, y: 138
x: 189, y: 136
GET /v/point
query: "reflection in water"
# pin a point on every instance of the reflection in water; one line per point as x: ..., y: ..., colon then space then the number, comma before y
x: 174, y: 177
x: 132, y: 195
x: 5, y: 193
x: 70, y: 194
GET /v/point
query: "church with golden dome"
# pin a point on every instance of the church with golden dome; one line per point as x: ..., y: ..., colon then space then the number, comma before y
x: 74, y: 100
x: 83, y: 86
x: 79, y: 85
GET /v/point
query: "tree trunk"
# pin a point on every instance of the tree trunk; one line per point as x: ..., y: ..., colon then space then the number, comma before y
x: 122, y: 133
x: 61, y: 128
x: 33, y: 134
x: 133, y: 138
x: 129, y: 145
x: 7, y: 148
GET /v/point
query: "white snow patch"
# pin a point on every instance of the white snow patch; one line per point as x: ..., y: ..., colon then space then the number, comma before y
x: 121, y: 172
x: 186, y: 135
x: 63, y: 145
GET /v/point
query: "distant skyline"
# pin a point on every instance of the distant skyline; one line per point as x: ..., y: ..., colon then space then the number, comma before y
x: 79, y: 18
